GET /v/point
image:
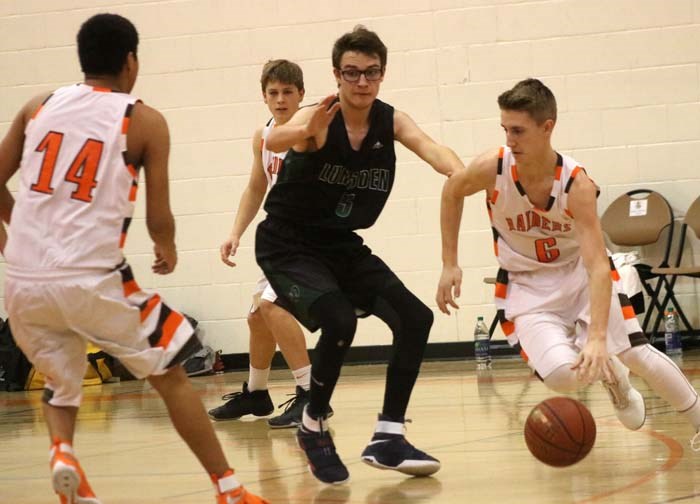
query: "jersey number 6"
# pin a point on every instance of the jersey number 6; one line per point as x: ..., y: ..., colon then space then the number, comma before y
x: 546, y: 251
x: 82, y: 171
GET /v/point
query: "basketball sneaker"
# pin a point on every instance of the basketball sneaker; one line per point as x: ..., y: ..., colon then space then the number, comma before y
x: 238, y: 404
x: 228, y: 491
x: 324, y: 462
x: 291, y: 417
x: 68, y: 478
x: 629, y: 405
x: 393, y: 451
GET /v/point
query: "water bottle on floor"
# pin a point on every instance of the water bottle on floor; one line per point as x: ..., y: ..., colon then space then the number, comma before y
x: 482, y: 351
x: 672, y: 336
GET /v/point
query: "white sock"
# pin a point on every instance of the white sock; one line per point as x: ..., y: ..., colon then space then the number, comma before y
x: 227, y: 483
x: 313, y: 424
x: 257, y: 379
x: 302, y: 377
x: 384, y: 427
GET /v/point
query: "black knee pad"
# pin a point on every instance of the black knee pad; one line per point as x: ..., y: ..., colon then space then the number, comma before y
x: 336, y: 317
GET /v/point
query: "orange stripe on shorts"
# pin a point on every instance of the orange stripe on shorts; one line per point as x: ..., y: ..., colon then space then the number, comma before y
x: 628, y: 312
x: 524, y: 355
x: 615, y: 275
x: 150, y: 305
x: 508, y: 327
x: 130, y: 287
x: 169, y: 327
x: 501, y: 289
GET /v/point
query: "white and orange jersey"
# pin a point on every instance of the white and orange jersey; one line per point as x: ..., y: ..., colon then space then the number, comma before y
x: 527, y: 238
x: 272, y: 161
x: 76, y: 190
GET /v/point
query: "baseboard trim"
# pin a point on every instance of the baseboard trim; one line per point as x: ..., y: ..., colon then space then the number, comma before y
x: 377, y: 354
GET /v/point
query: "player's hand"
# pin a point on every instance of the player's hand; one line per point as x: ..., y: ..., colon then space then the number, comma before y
x: 449, y: 288
x: 592, y: 363
x: 228, y: 249
x: 166, y: 259
x: 323, y: 114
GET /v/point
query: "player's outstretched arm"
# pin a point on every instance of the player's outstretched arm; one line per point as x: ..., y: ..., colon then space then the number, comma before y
x: 248, y: 207
x: 479, y: 175
x: 308, y: 123
x: 148, y: 144
x: 443, y: 159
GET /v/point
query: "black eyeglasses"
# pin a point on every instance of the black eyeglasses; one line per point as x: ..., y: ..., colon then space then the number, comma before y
x: 353, y: 74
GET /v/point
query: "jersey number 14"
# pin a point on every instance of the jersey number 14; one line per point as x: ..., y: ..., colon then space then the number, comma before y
x: 82, y: 171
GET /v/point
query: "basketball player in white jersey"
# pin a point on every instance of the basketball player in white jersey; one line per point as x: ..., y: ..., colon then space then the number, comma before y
x: 282, y: 84
x: 79, y: 151
x: 554, y: 271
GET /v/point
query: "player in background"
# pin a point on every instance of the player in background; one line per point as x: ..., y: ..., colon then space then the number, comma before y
x: 282, y: 85
x: 79, y: 151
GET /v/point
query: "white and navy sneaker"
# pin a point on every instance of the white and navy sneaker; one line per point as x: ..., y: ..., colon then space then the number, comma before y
x: 391, y: 450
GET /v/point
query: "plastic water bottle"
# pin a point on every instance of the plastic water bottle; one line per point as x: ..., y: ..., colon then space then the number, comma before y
x: 482, y: 350
x: 673, y: 336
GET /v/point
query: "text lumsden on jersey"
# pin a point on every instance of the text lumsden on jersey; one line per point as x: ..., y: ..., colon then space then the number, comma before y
x: 528, y: 220
x: 375, y: 179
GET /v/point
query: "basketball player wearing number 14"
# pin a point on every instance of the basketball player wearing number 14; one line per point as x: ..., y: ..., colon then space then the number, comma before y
x: 554, y: 271
x: 79, y: 151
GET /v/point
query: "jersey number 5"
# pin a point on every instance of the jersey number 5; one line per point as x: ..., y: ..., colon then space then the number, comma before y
x: 546, y: 250
x: 82, y: 171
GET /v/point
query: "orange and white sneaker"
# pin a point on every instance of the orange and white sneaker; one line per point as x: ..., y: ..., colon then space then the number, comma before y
x: 230, y: 491
x: 68, y: 478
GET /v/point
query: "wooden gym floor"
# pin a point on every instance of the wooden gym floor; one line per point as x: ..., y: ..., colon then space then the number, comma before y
x: 472, y: 423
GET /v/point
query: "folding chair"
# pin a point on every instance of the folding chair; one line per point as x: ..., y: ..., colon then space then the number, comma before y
x: 644, y: 217
x: 691, y: 221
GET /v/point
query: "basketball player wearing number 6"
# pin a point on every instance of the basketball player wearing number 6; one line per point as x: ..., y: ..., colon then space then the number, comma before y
x: 79, y: 151
x: 555, y: 272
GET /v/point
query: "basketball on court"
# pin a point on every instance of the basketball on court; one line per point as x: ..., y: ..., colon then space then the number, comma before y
x: 560, y: 431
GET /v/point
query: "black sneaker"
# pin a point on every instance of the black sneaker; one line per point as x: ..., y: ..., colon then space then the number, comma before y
x: 237, y: 404
x: 291, y: 417
x: 324, y: 462
x: 393, y: 451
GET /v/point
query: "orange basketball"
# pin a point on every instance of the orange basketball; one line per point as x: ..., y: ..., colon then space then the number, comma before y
x: 560, y: 431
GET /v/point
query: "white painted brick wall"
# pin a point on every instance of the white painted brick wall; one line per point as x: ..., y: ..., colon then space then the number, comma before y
x: 625, y: 73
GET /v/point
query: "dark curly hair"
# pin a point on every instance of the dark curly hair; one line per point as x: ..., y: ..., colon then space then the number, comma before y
x: 104, y: 41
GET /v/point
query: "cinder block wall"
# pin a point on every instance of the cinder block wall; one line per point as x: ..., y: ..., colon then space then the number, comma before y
x: 625, y: 73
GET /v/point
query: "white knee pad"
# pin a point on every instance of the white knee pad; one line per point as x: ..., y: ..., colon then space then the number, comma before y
x: 563, y: 379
